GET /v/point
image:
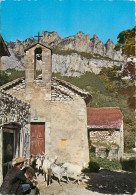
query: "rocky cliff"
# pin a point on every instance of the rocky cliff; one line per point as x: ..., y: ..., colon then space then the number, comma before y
x: 82, y: 43
x: 74, y: 64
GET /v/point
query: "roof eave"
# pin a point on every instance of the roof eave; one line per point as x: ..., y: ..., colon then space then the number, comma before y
x: 104, y: 127
x: 35, y: 45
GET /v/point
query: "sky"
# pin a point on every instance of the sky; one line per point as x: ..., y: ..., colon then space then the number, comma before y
x: 22, y: 19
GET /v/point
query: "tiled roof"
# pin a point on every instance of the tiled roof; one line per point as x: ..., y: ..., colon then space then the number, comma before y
x: 59, y: 88
x: 86, y: 95
x: 104, y: 118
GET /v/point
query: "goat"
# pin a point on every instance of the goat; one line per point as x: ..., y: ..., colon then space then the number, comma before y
x: 72, y: 171
x: 46, y: 167
x: 58, y: 171
x: 39, y: 163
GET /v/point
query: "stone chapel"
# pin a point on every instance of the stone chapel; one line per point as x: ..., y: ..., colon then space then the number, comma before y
x: 43, y: 114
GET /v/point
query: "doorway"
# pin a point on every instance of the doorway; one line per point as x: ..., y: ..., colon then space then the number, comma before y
x: 11, y: 142
x: 37, y: 138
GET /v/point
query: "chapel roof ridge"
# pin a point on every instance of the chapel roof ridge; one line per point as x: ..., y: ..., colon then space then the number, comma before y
x: 86, y: 95
x: 36, y: 43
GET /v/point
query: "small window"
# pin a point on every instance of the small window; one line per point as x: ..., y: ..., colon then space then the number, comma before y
x: 63, y: 142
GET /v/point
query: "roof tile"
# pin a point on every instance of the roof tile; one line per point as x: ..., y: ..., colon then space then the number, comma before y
x: 105, y: 118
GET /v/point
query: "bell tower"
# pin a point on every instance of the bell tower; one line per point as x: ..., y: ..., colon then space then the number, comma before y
x: 35, y: 53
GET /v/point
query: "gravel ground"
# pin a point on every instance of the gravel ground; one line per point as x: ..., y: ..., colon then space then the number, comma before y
x: 105, y: 182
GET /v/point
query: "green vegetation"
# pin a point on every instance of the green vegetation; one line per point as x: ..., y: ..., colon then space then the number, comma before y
x: 83, y: 54
x: 4, y: 78
x: 92, y: 167
x: 105, y: 163
x: 11, y: 74
x: 96, y: 163
x: 126, y: 41
x: 128, y: 165
x: 107, y: 146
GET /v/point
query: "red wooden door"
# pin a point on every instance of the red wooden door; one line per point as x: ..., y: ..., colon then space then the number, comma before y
x: 37, y: 138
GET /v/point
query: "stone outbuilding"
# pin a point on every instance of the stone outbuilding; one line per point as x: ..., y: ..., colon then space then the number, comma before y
x: 43, y: 114
x: 105, y: 125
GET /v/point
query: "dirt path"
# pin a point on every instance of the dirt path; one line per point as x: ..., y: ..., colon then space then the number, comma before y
x: 104, y: 182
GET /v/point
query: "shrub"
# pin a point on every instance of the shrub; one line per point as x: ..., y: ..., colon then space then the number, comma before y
x: 4, y: 78
x: 93, y: 166
x: 128, y: 165
x: 130, y: 141
x: 106, y: 163
x: 86, y: 170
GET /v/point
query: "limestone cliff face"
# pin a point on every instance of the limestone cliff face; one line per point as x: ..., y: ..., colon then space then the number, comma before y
x: 82, y: 43
x: 76, y: 65
x: 71, y: 64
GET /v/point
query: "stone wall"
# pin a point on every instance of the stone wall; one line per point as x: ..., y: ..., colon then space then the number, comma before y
x: 13, y: 110
x: 69, y: 123
x: 113, y: 138
x: 107, y: 136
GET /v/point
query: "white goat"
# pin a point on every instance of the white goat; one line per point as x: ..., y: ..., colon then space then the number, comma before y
x: 73, y: 171
x: 39, y: 163
x: 46, y: 169
x: 58, y: 171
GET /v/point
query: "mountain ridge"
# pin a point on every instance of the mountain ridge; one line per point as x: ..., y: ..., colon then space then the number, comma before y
x: 79, y: 43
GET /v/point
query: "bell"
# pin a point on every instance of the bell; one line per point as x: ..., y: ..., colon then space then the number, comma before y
x: 39, y: 56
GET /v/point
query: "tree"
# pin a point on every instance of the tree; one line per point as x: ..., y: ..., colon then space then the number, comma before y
x: 126, y: 42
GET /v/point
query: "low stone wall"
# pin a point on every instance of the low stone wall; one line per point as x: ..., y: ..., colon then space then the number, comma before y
x: 103, y: 152
x: 105, y: 136
x: 108, y: 137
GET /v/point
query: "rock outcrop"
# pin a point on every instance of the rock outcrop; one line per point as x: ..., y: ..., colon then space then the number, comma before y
x: 76, y: 63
